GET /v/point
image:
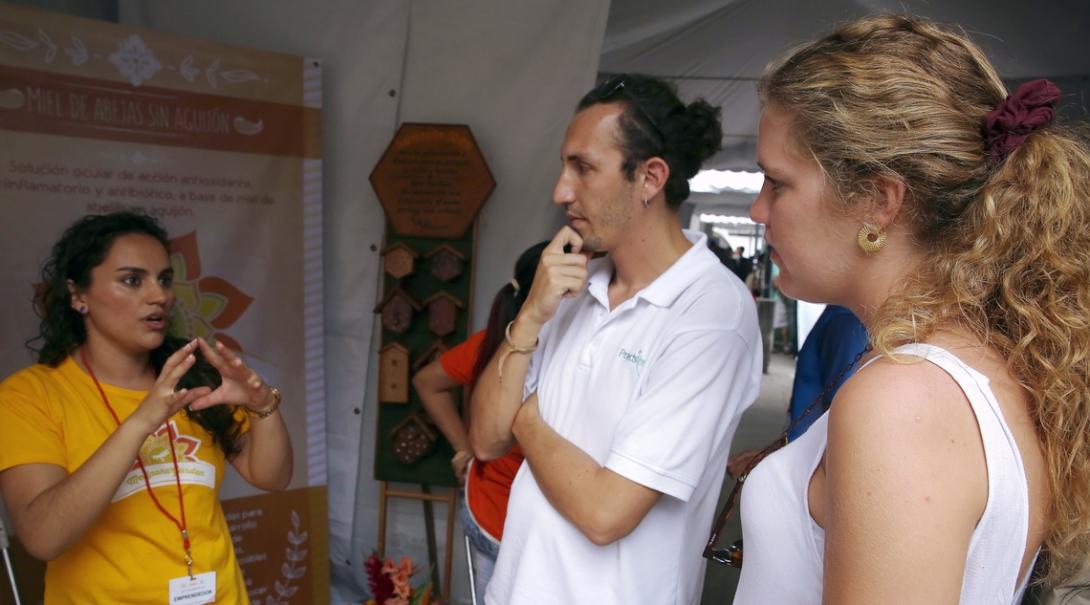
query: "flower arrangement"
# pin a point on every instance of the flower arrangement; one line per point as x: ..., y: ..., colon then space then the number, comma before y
x: 390, y: 583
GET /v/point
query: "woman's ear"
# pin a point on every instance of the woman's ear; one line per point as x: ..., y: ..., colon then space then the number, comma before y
x: 889, y: 197
x: 75, y: 298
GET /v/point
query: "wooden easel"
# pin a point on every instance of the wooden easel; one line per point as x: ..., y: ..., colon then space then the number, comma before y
x: 424, y: 495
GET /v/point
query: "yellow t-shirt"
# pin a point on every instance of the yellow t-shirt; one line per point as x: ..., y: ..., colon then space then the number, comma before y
x: 56, y: 416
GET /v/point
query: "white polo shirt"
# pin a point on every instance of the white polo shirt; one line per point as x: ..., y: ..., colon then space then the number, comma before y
x: 652, y: 390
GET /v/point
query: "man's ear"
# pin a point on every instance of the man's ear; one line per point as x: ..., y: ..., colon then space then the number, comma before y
x: 656, y: 172
x: 889, y: 198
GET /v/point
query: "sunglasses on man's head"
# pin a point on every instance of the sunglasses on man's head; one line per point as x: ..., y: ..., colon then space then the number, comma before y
x: 618, y: 90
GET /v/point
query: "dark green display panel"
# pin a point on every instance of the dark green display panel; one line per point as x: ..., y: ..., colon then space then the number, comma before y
x: 433, y: 469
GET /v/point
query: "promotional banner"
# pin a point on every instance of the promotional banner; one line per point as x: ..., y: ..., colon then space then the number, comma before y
x: 222, y: 145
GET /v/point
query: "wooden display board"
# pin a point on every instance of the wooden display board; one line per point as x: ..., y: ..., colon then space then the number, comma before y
x: 432, y: 181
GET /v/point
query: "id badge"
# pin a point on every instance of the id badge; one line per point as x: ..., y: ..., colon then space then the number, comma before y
x: 197, y: 590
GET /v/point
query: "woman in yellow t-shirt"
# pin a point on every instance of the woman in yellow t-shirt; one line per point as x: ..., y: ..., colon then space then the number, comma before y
x: 116, y: 441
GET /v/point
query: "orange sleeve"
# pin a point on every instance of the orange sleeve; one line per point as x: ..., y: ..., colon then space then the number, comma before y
x: 458, y: 362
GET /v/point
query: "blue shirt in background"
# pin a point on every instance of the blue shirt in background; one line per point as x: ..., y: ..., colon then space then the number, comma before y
x: 834, y: 342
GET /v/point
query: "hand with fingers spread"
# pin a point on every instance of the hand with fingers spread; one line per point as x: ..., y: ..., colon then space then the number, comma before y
x: 559, y: 275
x: 241, y: 385
x: 164, y: 399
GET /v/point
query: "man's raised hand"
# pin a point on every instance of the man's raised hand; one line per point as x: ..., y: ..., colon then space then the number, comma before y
x: 559, y: 275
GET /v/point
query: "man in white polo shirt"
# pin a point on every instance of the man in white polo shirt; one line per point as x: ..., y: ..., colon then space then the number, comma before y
x: 622, y: 378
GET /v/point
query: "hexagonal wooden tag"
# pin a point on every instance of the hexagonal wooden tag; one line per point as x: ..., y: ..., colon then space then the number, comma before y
x: 397, y: 310
x: 432, y: 180
x: 446, y: 262
x: 442, y: 313
x: 397, y: 260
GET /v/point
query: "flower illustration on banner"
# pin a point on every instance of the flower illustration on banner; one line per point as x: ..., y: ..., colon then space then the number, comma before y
x: 78, y: 51
x: 210, y: 73
x: 205, y: 305
x: 188, y: 70
x: 134, y: 60
x: 17, y: 41
x: 51, y: 48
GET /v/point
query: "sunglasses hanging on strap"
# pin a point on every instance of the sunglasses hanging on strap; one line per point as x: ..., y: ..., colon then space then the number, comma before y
x: 732, y: 555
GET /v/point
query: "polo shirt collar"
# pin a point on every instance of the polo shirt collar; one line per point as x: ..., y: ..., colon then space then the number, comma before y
x: 667, y: 287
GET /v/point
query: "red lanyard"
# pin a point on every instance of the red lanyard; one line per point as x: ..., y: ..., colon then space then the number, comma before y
x: 182, y: 526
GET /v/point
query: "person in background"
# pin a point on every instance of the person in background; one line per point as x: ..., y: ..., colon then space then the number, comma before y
x: 780, y: 323
x: 744, y: 264
x: 114, y: 444
x: 723, y: 253
x: 753, y: 281
x: 824, y: 362
x: 487, y: 484
x: 903, y: 182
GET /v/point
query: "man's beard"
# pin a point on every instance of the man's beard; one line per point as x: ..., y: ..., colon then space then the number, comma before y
x: 592, y: 243
x: 616, y: 216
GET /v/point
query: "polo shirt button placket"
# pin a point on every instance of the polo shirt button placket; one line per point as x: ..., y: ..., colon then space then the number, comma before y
x: 587, y: 357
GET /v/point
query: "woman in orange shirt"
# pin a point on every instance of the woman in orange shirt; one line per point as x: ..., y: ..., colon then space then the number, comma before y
x: 487, y: 484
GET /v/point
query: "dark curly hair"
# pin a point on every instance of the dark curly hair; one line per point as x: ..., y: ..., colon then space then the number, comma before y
x: 82, y: 247
x: 655, y: 123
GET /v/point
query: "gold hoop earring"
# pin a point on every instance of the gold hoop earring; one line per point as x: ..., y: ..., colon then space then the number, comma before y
x: 871, y: 238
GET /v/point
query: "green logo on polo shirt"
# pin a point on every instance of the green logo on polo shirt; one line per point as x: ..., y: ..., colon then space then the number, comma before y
x: 636, y: 358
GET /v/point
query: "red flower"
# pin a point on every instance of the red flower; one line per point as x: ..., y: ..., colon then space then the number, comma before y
x: 382, y: 587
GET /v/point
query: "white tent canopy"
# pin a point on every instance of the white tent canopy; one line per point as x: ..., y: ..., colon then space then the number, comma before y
x: 717, y: 49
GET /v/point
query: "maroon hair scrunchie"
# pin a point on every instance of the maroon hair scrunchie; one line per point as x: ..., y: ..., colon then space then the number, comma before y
x: 1032, y: 106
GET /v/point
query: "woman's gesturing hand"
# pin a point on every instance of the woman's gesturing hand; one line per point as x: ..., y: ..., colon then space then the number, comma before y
x: 164, y: 399
x: 241, y: 385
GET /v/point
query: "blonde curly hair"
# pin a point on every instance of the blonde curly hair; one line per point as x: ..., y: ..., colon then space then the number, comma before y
x: 1008, y: 243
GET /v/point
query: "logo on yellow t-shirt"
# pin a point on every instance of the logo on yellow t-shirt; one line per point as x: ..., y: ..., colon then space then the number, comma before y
x: 156, y: 448
x: 159, y: 464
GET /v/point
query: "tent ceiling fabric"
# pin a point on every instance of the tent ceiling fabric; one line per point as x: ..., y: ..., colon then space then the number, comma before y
x: 717, y: 49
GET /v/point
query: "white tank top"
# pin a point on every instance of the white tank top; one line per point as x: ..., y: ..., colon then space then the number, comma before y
x: 784, y: 546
